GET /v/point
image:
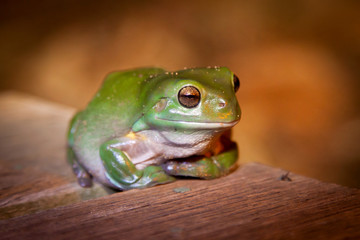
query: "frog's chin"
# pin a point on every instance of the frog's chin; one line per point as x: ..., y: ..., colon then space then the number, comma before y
x: 198, y: 125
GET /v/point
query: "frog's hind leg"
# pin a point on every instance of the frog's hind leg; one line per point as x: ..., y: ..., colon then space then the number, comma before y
x: 83, y: 177
x: 204, y: 167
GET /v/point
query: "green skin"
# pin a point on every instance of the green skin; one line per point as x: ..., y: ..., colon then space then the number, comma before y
x: 135, y: 132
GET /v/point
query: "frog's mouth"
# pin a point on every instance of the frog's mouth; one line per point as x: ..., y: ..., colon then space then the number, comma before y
x: 200, y: 125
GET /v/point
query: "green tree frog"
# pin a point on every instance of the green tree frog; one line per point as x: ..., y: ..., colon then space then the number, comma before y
x: 146, y: 126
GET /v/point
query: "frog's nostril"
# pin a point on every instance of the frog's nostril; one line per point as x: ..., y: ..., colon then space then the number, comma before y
x: 222, y: 103
x: 160, y: 105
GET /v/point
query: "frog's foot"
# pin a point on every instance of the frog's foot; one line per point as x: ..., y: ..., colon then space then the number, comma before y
x: 83, y: 177
x: 150, y: 176
x: 123, y: 174
x: 153, y: 175
x: 203, y: 167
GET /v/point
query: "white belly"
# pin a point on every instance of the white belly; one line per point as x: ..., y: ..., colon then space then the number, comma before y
x: 157, y: 147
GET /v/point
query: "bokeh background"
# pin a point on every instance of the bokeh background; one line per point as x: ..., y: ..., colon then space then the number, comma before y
x: 298, y: 62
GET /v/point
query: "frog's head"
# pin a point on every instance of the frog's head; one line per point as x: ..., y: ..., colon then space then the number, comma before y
x: 191, y: 99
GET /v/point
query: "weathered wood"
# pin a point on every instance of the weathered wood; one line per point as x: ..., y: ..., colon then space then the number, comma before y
x: 34, y: 174
x: 39, y: 194
x: 251, y: 203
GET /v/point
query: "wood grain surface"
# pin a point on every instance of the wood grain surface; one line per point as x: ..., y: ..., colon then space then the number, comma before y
x: 39, y: 197
x: 251, y: 203
x: 34, y: 174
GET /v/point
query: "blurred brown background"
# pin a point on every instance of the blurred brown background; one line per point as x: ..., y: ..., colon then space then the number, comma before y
x: 298, y: 62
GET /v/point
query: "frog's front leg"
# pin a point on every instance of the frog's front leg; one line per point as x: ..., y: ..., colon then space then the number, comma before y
x: 121, y: 171
x: 204, y: 167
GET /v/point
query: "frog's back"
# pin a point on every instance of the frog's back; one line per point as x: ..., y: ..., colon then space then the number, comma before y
x: 111, y: 113
x: 117, y: 105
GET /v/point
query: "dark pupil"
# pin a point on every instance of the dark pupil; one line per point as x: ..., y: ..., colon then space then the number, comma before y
x: 189, y: 96
x: 236, y: 83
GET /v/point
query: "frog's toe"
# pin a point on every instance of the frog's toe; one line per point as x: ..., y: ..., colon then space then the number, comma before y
x: 161, y: 177
x: 83, y: 178
x: 171, y: 167
x: 85, y: 182
x: 156, y: 175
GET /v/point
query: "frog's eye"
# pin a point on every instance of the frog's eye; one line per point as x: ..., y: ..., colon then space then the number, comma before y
x: 236, y: 83
x: 189, y: 96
